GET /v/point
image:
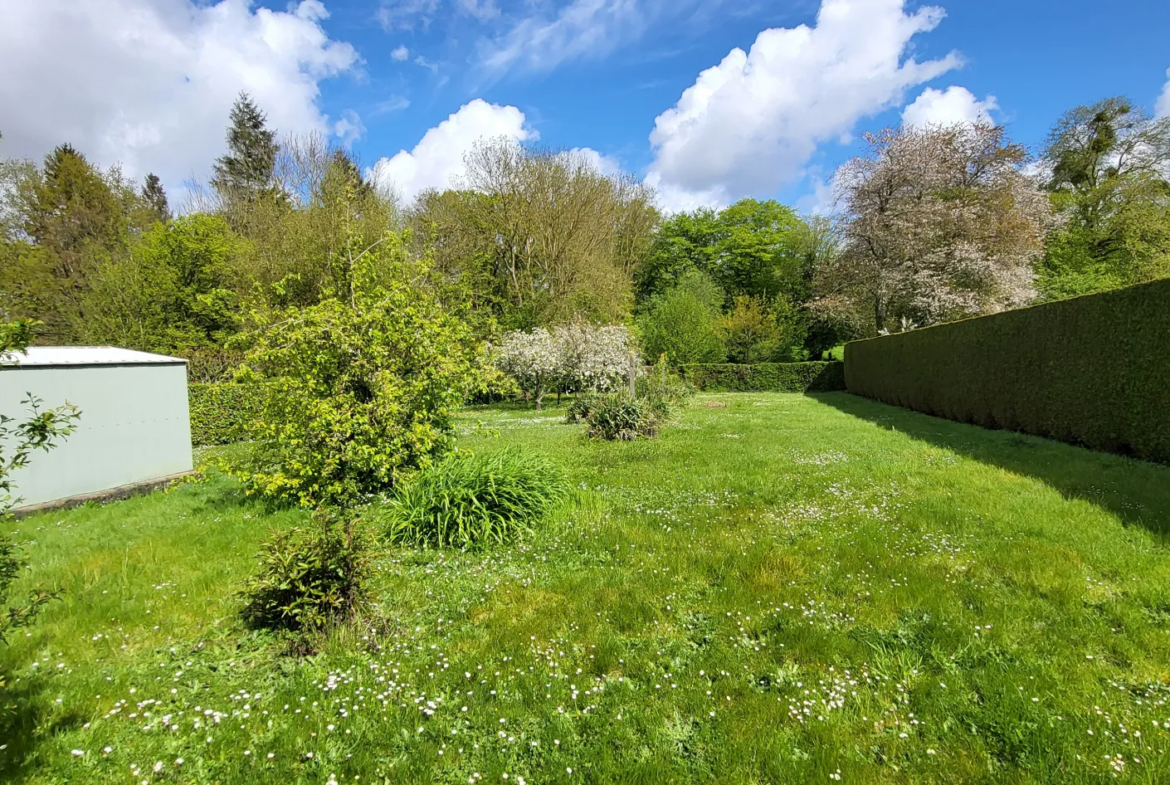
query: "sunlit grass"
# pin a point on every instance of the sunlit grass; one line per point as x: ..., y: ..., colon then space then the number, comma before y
x: 784, y: 589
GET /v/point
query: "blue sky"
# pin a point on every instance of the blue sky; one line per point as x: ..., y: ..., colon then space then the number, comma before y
x: 146, y: 83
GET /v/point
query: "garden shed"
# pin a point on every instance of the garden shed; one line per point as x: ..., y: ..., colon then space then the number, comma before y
x: 133, y: 430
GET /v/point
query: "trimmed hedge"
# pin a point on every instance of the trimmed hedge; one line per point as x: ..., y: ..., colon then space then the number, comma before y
x: 219, y: 411
x: 766, y: 377
x: 1093, y: 371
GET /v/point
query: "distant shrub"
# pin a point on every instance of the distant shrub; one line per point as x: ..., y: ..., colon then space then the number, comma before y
x: 581, y: 406
x: 311, y: 577
x: 473, y: 501
x: 664, y: 389
x: 618, y: 417
x: 220, y: 412
x: 767, y: 377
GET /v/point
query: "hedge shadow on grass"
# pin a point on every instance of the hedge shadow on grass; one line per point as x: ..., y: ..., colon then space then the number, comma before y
x: 1137, y: 492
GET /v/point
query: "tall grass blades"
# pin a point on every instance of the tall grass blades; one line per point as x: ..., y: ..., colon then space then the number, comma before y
x: 474, y: 501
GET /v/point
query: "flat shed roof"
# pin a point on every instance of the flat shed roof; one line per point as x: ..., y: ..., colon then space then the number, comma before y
x: 83, y: 356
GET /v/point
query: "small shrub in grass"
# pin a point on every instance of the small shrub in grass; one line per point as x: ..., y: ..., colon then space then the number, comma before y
x: 311, y: 578
x: 581, y: 406
x: 621, y: 418
x: 472, y: 501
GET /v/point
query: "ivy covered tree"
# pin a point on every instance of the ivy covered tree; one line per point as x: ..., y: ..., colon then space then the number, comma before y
x: 1107, y: 166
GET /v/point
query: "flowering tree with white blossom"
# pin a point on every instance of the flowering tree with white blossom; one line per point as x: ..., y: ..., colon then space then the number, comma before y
x: 940, y: 222
x: 577, y: 356
x: 533, y: 359
x: 594, y: 357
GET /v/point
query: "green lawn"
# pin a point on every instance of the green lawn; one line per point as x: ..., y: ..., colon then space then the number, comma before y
x: 779, y: 589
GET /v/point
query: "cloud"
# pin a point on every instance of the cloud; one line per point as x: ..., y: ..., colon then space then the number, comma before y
x: 483, y: 10
x: 582, y: 29
x: 438, y: 158
x: 349, y: 128
x: 406, y: 14
x: 1163, y: 108
x: 400, y: 54
x: 606, y: 165
x: 750, y: 124
x: 947, y: 107
x: 150, y: 84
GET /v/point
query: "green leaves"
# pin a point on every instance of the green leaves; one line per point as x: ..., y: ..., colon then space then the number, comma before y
x: 471, y: 501
x: 363, y: 387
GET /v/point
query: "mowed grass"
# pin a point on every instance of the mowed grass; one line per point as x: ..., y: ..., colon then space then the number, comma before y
x: 779, y: 589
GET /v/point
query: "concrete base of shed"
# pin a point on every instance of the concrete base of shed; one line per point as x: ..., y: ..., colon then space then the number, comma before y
x: 112, y: 494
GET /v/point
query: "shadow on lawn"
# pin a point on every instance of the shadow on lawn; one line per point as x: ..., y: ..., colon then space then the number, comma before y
x: 21, y: 714
x: 1135, y: 491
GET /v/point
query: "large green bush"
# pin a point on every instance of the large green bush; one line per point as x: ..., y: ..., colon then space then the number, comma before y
x: 471, y: 501
x: 1093, y: 370
x: 766, y: 377
x: 219, y: 412
x: 619, y: 418
x: 363, y: 386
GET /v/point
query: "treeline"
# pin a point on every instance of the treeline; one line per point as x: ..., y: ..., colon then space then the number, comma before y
x: 932, y: 224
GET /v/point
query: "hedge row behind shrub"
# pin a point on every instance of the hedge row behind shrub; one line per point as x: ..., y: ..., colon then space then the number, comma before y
x: 767, y: 377
x: 219, y: 411
x: 1094, y: 370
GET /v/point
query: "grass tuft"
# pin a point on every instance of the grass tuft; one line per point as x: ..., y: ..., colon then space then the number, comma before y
x: 473, y: 501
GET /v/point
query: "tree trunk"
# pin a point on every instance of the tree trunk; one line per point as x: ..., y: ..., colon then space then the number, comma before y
x: 879, y: 313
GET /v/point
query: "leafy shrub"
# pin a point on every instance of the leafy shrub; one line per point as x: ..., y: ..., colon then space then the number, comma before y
x: 470, y: 501
x: 664, y: 389
x: 683, y: 323
x: 42, y: 430
x: 1090, y: 370
x: 363, y: 387
x: 618, y: 417
x: 767, y: 377
x: 581, y: 406
x: 311, y: 577
x: 221, y: 412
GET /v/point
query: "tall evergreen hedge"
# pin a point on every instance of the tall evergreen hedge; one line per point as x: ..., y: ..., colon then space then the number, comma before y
x: 1094, y: 370
x: 219, y: 411
x: 766, y: 377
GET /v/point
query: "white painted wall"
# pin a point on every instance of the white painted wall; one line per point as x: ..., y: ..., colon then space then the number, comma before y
x: 134, y: 427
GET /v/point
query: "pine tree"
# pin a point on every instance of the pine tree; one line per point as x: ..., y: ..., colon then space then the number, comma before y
x: 247, y: 168
x: 155, y: 198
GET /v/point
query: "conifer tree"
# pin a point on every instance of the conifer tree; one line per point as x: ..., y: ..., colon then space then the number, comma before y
x: 247, y: 168
x: 155, y: 198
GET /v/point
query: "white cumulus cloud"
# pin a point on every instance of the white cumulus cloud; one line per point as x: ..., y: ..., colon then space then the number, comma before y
x: 400, y: 54
x: 750, y: 124
x: 149, y: 83
x: 437, y: 159
x: 1163, y: 108
x: 947, y: 107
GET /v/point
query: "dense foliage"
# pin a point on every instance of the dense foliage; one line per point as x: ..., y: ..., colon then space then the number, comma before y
x: 767, y: 377
x: 309, y: 578
x: 220, y: 412
x: 473, y: 501
x: 362, y: 387
x: 1106, y: 167
x: 1090, y: 370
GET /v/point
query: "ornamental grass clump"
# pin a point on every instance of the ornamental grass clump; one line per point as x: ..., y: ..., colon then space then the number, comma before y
x: 474, y: 501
